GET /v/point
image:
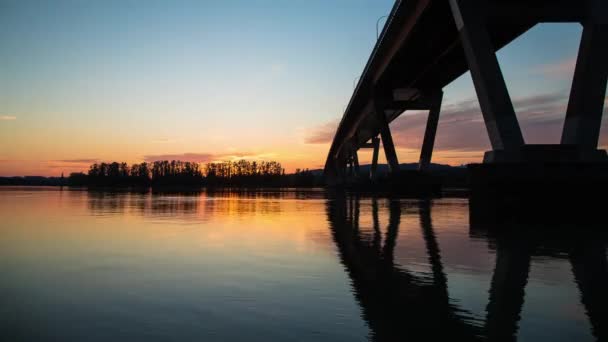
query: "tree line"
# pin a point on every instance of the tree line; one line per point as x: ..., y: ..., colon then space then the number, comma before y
x: 155, y: 173
x: 242, y: 173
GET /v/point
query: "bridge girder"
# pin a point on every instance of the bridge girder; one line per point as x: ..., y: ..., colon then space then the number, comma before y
x: 426, y: 44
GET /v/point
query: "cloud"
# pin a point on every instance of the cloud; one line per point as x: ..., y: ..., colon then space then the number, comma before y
x: 77, y: 161
x: 208, y: 157
x: 461, y: 126
x: 560, y: 69
x: 70, y: 165
x: 7, y: 118
x: 538, y: 100
x: 321, y: 134
x: 189, y: 157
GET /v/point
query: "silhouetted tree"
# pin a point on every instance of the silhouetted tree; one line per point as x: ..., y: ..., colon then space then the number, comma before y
x: 77, y: 179
x: 241, y: 173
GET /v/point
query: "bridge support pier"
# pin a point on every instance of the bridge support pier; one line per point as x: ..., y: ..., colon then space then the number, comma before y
x: 387, y: 140
x: 354, y: 161
x: 586, y: 103
x: 430, y: 132
x: 494, y: 100
x: 513, y: 168
x: 581, y: 130
x: 373, y: 170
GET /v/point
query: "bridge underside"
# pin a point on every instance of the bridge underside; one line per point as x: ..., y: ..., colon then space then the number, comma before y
x: 426, y: 44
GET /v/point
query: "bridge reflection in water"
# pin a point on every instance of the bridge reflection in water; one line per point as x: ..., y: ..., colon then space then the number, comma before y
x: 401, y: 303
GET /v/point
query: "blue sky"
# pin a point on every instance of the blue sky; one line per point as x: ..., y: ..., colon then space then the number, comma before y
x: 133, y: 80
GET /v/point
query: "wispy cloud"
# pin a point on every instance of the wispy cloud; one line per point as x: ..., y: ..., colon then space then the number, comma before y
x: 561, y: 69
x: 190, y: 157
x: 538, y: 100
x: 461, y: 125
x: 77, y: 161
x: 209, y: 157
x: 321, y: 134
x: 70, y: 165
x: 7, y: 117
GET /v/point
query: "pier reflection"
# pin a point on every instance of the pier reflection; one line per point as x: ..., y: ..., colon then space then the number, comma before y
x: 395, y: 303
x: 517, y: 243
x: 398, y: 303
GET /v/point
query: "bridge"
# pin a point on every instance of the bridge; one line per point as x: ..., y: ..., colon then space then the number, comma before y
x: 426, y: 44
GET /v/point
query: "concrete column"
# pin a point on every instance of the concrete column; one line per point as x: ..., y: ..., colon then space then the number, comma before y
x: 496, y: 106
x: 331, y: 173
x: 342, y: 167
x: 429, y: 134
x: 585, y: 107
x: 334, y: 174
x: 355, y: 157
x: 374, y: 167
x: 387, y: 140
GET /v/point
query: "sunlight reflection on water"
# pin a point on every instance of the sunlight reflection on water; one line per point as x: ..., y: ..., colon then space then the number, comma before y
x: 284, y: 265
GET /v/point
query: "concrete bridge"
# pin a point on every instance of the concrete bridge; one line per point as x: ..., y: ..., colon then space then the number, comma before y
x: 426, y: 44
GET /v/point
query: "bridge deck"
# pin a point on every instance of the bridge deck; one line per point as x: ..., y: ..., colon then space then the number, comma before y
x: 419, y: 51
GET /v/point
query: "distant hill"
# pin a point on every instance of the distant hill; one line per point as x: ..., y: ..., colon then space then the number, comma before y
x: 32, y: 180
x: 383, y: 168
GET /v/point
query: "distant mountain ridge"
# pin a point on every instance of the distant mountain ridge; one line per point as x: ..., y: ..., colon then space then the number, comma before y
x: 383, y: 168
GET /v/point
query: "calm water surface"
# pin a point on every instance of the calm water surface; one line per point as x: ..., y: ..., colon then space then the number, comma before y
x: 287, y: 266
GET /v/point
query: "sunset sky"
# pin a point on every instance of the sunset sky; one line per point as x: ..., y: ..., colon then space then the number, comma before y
x: 87, y: 81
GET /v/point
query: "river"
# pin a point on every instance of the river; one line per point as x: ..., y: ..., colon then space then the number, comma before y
x: 289, y: 265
